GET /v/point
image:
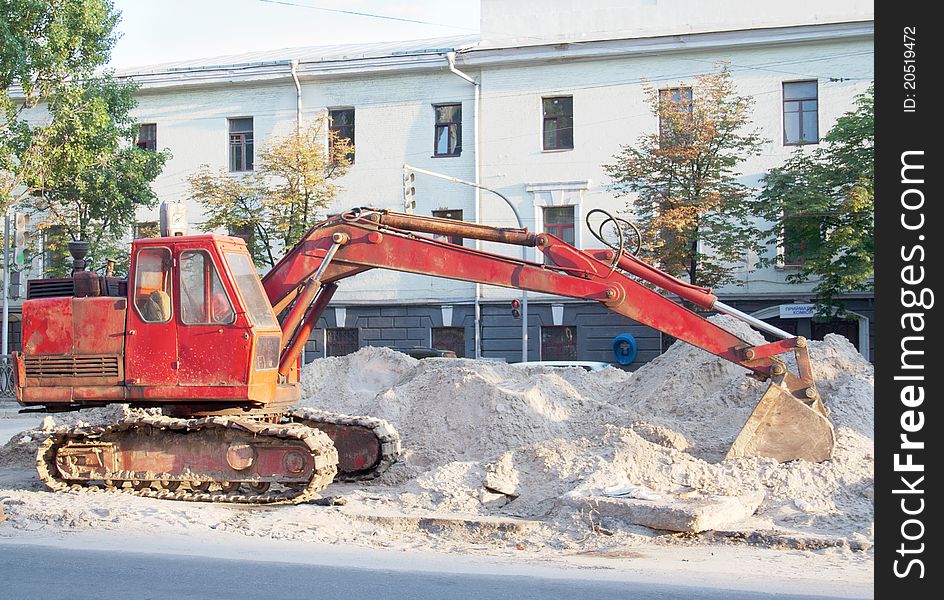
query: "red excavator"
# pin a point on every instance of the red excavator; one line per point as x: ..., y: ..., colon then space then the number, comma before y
x: 195, y: 332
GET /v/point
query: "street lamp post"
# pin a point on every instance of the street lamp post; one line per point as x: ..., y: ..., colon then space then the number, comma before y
x: 524, y: 250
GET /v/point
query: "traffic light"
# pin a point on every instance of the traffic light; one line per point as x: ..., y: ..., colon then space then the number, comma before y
x: 516, y: 308
x: 409, y: 192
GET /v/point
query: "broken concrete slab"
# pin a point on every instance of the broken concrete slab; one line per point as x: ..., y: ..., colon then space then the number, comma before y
x: 687, y: 514
x: 792, y: 540
x: 437, y: 523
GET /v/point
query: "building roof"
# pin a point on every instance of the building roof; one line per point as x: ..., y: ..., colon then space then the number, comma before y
x: 309, y: 55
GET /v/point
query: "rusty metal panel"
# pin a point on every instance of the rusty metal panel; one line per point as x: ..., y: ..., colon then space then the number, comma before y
x: 98, y: 325
x: 47, y: 326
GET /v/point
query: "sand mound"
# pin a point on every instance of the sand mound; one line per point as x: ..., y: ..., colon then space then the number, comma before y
x: 488, y: 437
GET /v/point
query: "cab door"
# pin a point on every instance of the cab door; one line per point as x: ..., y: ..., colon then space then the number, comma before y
x: 212, y: 338
x: 151, y: 334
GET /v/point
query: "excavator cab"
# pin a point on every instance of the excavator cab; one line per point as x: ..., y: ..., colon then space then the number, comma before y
x: 195, y: 328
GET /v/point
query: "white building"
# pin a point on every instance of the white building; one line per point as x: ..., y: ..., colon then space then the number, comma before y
x: 590, y: 60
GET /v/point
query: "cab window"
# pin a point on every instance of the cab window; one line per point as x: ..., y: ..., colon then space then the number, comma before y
x: 152, y: 285
x: 203, y: 300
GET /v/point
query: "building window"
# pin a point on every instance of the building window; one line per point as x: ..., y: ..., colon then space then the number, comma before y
x: 449, y: 338
x: 342, y: 129
x: 454, y: 214
x: 802, y: 237
x: 147, y: 136
x: 675, y: 117
x: 559, y: 221
x: 55, y: 251
x: 448, y: 135
x: 559, y: 343
x: 244, y: 232
x: 559, y: 123
x: 146, y: 229
x: 240, y: 144
x: 800, y: 113
x: 341, y: 341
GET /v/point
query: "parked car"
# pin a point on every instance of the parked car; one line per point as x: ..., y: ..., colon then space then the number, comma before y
x: 589, y: 365
x: 424, y: 352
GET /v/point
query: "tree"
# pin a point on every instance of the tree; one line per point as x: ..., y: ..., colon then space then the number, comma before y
x: 820, y: 206
x: 688, y: 202
x: 90, y: 178
x: 278, y: 202
x: 43, y: 44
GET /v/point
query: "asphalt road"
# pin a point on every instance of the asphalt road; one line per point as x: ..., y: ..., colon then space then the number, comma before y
x: 39, y: 572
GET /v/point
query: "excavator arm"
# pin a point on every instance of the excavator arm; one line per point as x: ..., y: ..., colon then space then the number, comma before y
x: 789, y: 422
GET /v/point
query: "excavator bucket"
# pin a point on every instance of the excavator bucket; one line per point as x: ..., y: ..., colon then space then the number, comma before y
x: 785, y: 428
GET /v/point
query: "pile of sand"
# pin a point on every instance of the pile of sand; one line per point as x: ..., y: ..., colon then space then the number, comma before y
x: 492, y: 438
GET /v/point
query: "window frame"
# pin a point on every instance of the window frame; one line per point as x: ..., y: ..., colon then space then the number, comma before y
x: 576, y: 352
x: 433, y: 344
x: 149, y: 143
x: 50, y: 260
x: 246, y: 140
x: 442, y: 214
x: 180, y: 287
x: 338, y: 129
x: 327, y: 331
x: 799, y: 112
x: 545, y: 119
x: 572, y: 225
x: 448, y: 125
x: 141, y: 226
x: 133, y: 286
x: 667, y: 93
x: 558, y: 229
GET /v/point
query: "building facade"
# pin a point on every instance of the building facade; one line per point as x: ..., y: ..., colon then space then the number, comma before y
x: 532, y: 108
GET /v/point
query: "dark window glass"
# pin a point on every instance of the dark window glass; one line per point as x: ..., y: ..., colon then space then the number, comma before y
x: 341, y: 341
x: 800, y: 113
x: 203, y: 300
x: 448, y: 134
x: 152, y: 296
x: 56, y: 257
x: 147, y: 136
x: 802, y: 238
x: 342, y: 124
x: 675, y: 117
x: 449, y: 338
x: 240, y: 144
x: 559, y: 222
x: 244, y: 232
x: 559, y: 123
x: 848, y: 328
x: 559, y: 343
x: 147, y: 229
x: 450, y: 214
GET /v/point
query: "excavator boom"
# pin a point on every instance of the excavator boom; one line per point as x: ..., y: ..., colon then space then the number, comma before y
x: 790, y: 422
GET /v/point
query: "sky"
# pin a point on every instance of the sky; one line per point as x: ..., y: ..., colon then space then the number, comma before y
x: 156, y: 31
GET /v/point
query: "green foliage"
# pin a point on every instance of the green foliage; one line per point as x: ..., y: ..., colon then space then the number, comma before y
x: 683, y: 181
x: 87, y: 177
x: 278, y: 202
x: 821, y: 202
x: 43, y: 45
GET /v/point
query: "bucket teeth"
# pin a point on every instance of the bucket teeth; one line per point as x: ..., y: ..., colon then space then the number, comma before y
x: 785, y: 428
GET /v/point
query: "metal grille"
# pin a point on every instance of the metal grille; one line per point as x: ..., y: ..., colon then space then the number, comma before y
x: 71, y: 366
x: 49, y: 288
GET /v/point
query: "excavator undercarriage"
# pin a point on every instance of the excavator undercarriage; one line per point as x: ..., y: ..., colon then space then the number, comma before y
x: 194, y: 331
